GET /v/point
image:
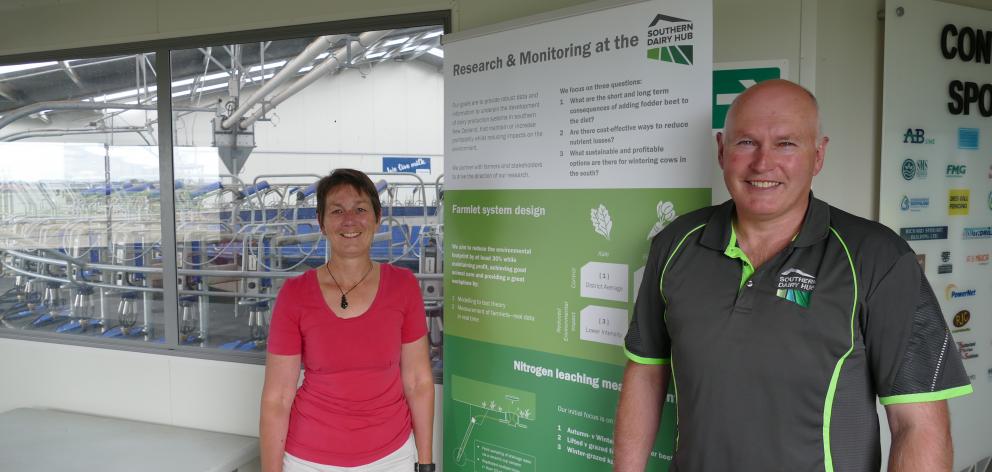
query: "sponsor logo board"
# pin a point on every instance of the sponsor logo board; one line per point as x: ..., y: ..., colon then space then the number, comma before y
x: 923, y: 233
x: 967, y: 350
x: 945, y: 266
x: 955, y: 171
x: 914, y: 204
x: 968, y: 138
x: 960, y: 321
x: 952, y: 292
x: 978, y: 232
x: 914, y: 169
x: 958, y: 201
x: 916, y: 136
x: 980, y: 259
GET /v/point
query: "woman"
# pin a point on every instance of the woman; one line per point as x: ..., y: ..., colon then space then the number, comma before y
x: 360, y: 331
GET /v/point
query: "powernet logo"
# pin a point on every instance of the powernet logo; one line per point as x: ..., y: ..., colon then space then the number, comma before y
x: 670, y: 38
x: 951, y: 292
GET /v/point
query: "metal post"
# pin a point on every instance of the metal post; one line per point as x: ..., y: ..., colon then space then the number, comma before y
x: 170, y: 295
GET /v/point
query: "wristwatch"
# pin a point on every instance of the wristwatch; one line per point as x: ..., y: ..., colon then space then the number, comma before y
x: 418, y: 467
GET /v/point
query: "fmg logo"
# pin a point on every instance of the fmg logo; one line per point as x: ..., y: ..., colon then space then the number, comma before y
x: 956, y: 170
x: 916, y: 136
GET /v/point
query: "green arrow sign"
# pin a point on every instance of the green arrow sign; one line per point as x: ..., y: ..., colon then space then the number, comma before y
x: 729, y: 83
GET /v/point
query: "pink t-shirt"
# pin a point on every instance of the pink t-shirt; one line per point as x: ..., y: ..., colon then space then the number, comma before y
x: 350, y: 409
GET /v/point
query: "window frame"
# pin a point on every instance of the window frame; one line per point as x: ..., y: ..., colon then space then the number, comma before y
x: 163, y: 48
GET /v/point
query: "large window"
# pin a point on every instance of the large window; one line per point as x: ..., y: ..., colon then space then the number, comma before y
x: 95, y: 248
x: 81, y: 233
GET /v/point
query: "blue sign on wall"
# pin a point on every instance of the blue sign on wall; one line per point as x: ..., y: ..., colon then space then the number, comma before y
x: 420, y: 165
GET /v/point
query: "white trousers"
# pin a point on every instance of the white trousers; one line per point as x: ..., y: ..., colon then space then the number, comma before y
x: 400, y: 460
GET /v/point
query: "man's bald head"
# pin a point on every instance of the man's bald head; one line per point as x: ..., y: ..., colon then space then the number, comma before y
x: 770, y: 150
x: 779, y: 89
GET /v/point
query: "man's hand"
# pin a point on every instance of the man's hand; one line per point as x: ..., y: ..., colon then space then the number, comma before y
x: 641, y: 400
x: 921, y: 437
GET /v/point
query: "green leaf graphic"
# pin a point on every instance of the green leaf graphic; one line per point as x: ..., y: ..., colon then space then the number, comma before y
x: 601, y: 221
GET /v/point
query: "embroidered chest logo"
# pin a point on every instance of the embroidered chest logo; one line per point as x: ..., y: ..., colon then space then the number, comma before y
x: 796, y: 286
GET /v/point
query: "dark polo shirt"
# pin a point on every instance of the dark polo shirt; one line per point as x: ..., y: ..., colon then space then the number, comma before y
x: 777, y: 369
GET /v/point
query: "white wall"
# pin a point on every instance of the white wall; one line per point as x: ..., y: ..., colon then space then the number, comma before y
x: 161, y: 389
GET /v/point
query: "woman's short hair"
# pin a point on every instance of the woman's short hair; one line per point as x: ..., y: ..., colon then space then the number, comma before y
x: 356, y: 179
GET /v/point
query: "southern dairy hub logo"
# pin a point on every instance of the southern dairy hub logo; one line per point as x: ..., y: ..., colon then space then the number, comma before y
x: 796, y: 286
x: 668, y: 38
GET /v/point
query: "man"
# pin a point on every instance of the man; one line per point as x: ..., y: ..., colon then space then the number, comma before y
x: 780, y: 319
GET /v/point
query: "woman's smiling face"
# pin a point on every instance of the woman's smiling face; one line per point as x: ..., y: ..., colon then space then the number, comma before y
x: 349, y: 221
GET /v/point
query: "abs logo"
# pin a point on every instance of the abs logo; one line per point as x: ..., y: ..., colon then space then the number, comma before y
x: 956, y: 170
x: 664, y: 33
x: 951, y: 292
x: 916, y: 136
x: 957, y: 201
x: 914, y: 204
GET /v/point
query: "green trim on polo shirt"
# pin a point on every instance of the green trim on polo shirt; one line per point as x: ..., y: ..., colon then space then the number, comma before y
x: 927, y: 396
x: 734, y: 251
x: 645, y: 360
x: 828, y: 402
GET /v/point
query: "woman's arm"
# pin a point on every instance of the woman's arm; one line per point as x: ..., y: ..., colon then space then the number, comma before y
x: 418, y: 386
x: 282, y: 374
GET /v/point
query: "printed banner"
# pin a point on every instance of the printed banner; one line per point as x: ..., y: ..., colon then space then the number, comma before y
x: 407, y: 164
x: 569, y: 144
x: 936, y: 185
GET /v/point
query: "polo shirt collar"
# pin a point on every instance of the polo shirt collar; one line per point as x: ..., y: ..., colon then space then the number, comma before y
x: 816, y: 225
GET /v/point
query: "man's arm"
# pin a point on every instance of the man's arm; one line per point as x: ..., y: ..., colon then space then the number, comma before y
x: 641, y: 401
x: 921, y: 437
